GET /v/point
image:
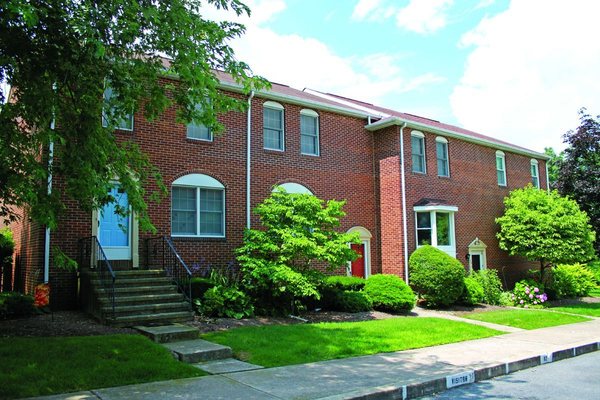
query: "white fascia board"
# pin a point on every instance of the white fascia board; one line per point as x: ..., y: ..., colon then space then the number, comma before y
x: 488, y: 143
x: 370, y: 111
x: 435, y: 208
x: 298, y: 101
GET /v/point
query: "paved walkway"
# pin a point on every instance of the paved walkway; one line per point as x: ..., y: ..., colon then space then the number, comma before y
x: 405, y: 374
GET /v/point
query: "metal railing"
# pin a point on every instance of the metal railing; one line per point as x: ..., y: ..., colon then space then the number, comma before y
x: 92, y: 256
x: 161, y: 254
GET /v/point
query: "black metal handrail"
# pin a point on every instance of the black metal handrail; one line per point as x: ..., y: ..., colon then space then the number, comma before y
x: 161, y: 254
x: 92, y: 256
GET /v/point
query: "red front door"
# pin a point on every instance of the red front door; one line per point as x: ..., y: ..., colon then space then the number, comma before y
x: 358, y: 265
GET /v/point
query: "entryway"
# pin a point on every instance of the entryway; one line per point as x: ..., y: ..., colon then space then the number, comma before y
x: 361, y: 267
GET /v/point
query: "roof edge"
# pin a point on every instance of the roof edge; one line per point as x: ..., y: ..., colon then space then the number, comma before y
x: 387, y: 122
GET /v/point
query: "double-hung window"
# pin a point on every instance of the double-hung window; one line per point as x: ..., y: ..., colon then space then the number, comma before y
x: 273, y: 134
x: 535, y: 174
x: 309, y: 132
x: 435, y: 227
x: 197, y: 207
x: 501, y: 168
x: 199, y: 131
x: 443, y: 166
x: 124, y: 123
x: 417, y: 144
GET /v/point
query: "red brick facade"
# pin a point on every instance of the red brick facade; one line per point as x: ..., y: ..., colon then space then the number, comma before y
x: 359, y: 165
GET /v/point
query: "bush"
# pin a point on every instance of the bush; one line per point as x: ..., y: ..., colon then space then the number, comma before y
x: 473, y: 292
x: 13, y: 304
x: 594, y: 266
x: 528, y: 293
x: 225, y: 301
x: 491, y: 284
x: 571, y: 281
x: 352, y: 283
x: 435, y: 276
x: 353, y: 302
x: 331, y: 289
x: 506, y: 299
x: 201, y: 286
x: 390, y: 293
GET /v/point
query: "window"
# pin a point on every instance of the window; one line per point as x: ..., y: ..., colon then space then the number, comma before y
x: 501, y: 168
x: 125, y: 124
x: 309, y: 132
x: 273, y: 126
x: 535, y: 174
x: 435, y: 227
x: 443, y: 167
x: 291, y: 187
x: 417, y: 143
x: 198, y: 207
x: 199, y: 131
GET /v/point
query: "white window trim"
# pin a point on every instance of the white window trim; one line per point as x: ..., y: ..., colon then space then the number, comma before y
x: 451, y: 210
x: 292, y: 187
x: 210, y: 131
x: 535, y: 167
x: 275, y: 106
x: 420, y: 135
x: 105, y: 123
x: 440, y: 139
x: 314, y: 114
x: 365, y: 239
x: 199, y: 181
x: 478, y: 247
x: 500, y: 154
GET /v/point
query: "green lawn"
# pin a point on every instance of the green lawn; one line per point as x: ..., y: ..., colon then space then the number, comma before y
x: 525, y: 319
x: 591, y: 309
x: 49, y: 365
x: 277, y: 345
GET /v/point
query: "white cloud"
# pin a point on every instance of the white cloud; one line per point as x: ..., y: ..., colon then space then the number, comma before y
x: 532, y: 67
x: 364, y: 7
x: 423, y: 16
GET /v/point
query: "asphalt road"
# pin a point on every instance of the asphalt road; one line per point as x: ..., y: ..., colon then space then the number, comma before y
x: 574, y: 378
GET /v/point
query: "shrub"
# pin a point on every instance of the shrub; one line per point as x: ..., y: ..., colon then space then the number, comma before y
x: 353, y: 302
x: 225, y: 301
x: 352, y: 283
x: 435, y: 276
x: 506, y: 299
x: 200, y: 286
x: 595, y: 268
x: 390, y: 293
x: 491, y: 284
x: 528, y: 293
x: 473, y: 292
x: 13, y: 304
x: 571, y: 281
x: 331, y: 288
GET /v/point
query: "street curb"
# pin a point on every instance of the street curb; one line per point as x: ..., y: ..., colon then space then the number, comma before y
x: 465, y: 377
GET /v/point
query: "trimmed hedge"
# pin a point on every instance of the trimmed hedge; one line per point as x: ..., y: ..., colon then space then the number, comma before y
x: 473, y: 293
x: 13, y: 305
x: 353, y: 302
x: 353, y: 283
x: 436, y: 277
x: 491, y: 284
x: 390, y: 293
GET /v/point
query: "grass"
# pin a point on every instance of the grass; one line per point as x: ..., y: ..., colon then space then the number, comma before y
x: 50, y: 365
x: 590, y: 309
x: 277, y: 345
x: 525, y: 319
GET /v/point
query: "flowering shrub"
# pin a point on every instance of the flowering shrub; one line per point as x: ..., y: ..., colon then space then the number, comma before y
x: 527, y: 293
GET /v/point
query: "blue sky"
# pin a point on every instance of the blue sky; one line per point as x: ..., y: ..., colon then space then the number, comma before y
x: 517, y: 70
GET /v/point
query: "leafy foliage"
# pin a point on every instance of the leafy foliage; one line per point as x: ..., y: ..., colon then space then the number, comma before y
x: 491, y: 284
x: 7, y: 246
x: 299, y: 230
x: 59, y: 56
x: 553, y: 165
x: 572, y: 281
x: 528, y: 293
x: 225, y: 301
x: 435, y: 276
x: 579, y: 175
x: 331, y: 289
x: 545, y: 227
x: 200, y: 286
x: 473, y: 293
x: 353, y: 302
x: 13, y: 305
x: 353, y: 283
x: 390, y: 293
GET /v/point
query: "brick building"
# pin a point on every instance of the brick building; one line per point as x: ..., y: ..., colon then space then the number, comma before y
x: 407, y: 180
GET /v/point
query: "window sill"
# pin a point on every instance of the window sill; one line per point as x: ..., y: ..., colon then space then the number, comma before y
x: 310, y: 155
x: 418, y: 173
x: 199, y: 141
x: 444, y: 177
x: 199, y: 238
x: 273, y: 151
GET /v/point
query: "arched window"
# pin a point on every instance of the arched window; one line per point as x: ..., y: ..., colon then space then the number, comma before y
x: 273, y: 132
x: 443, y: 165
x: 197, y: 207
x: 417, y: 145
x: 309, y: 132
x: 291, y: 187
x: 501, y: 168
x: 535, y: 173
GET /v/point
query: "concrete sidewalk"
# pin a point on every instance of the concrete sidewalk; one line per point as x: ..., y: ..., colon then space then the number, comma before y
x: 400, y: 375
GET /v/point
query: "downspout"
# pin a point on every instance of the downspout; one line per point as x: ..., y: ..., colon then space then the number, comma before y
x: 547, y: 177
x: 404, y: 221
x: 47, y: 241
x: 248, y: 155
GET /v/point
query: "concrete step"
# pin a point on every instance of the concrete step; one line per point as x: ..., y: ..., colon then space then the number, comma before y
x: 150, y: 308
x: 226, y: 366
x: 168, y: 333
x: 142, y: 290
x: 137, y: 281
x: 141, y: 319
x: 125, y: 300
x: 194, y: 351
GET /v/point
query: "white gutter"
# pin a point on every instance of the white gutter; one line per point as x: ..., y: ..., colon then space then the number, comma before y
x: 404, y: 218
x: 384, y: 123
x: 547, y: 178
x: 248, y: 155
x: 47, y: 241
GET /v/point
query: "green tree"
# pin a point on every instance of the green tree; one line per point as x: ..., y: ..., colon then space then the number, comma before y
x: 579, y: 175
x: 299, y: 230
x: 545, y: 227
x: 554, y: 164
x: 59, y: 56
